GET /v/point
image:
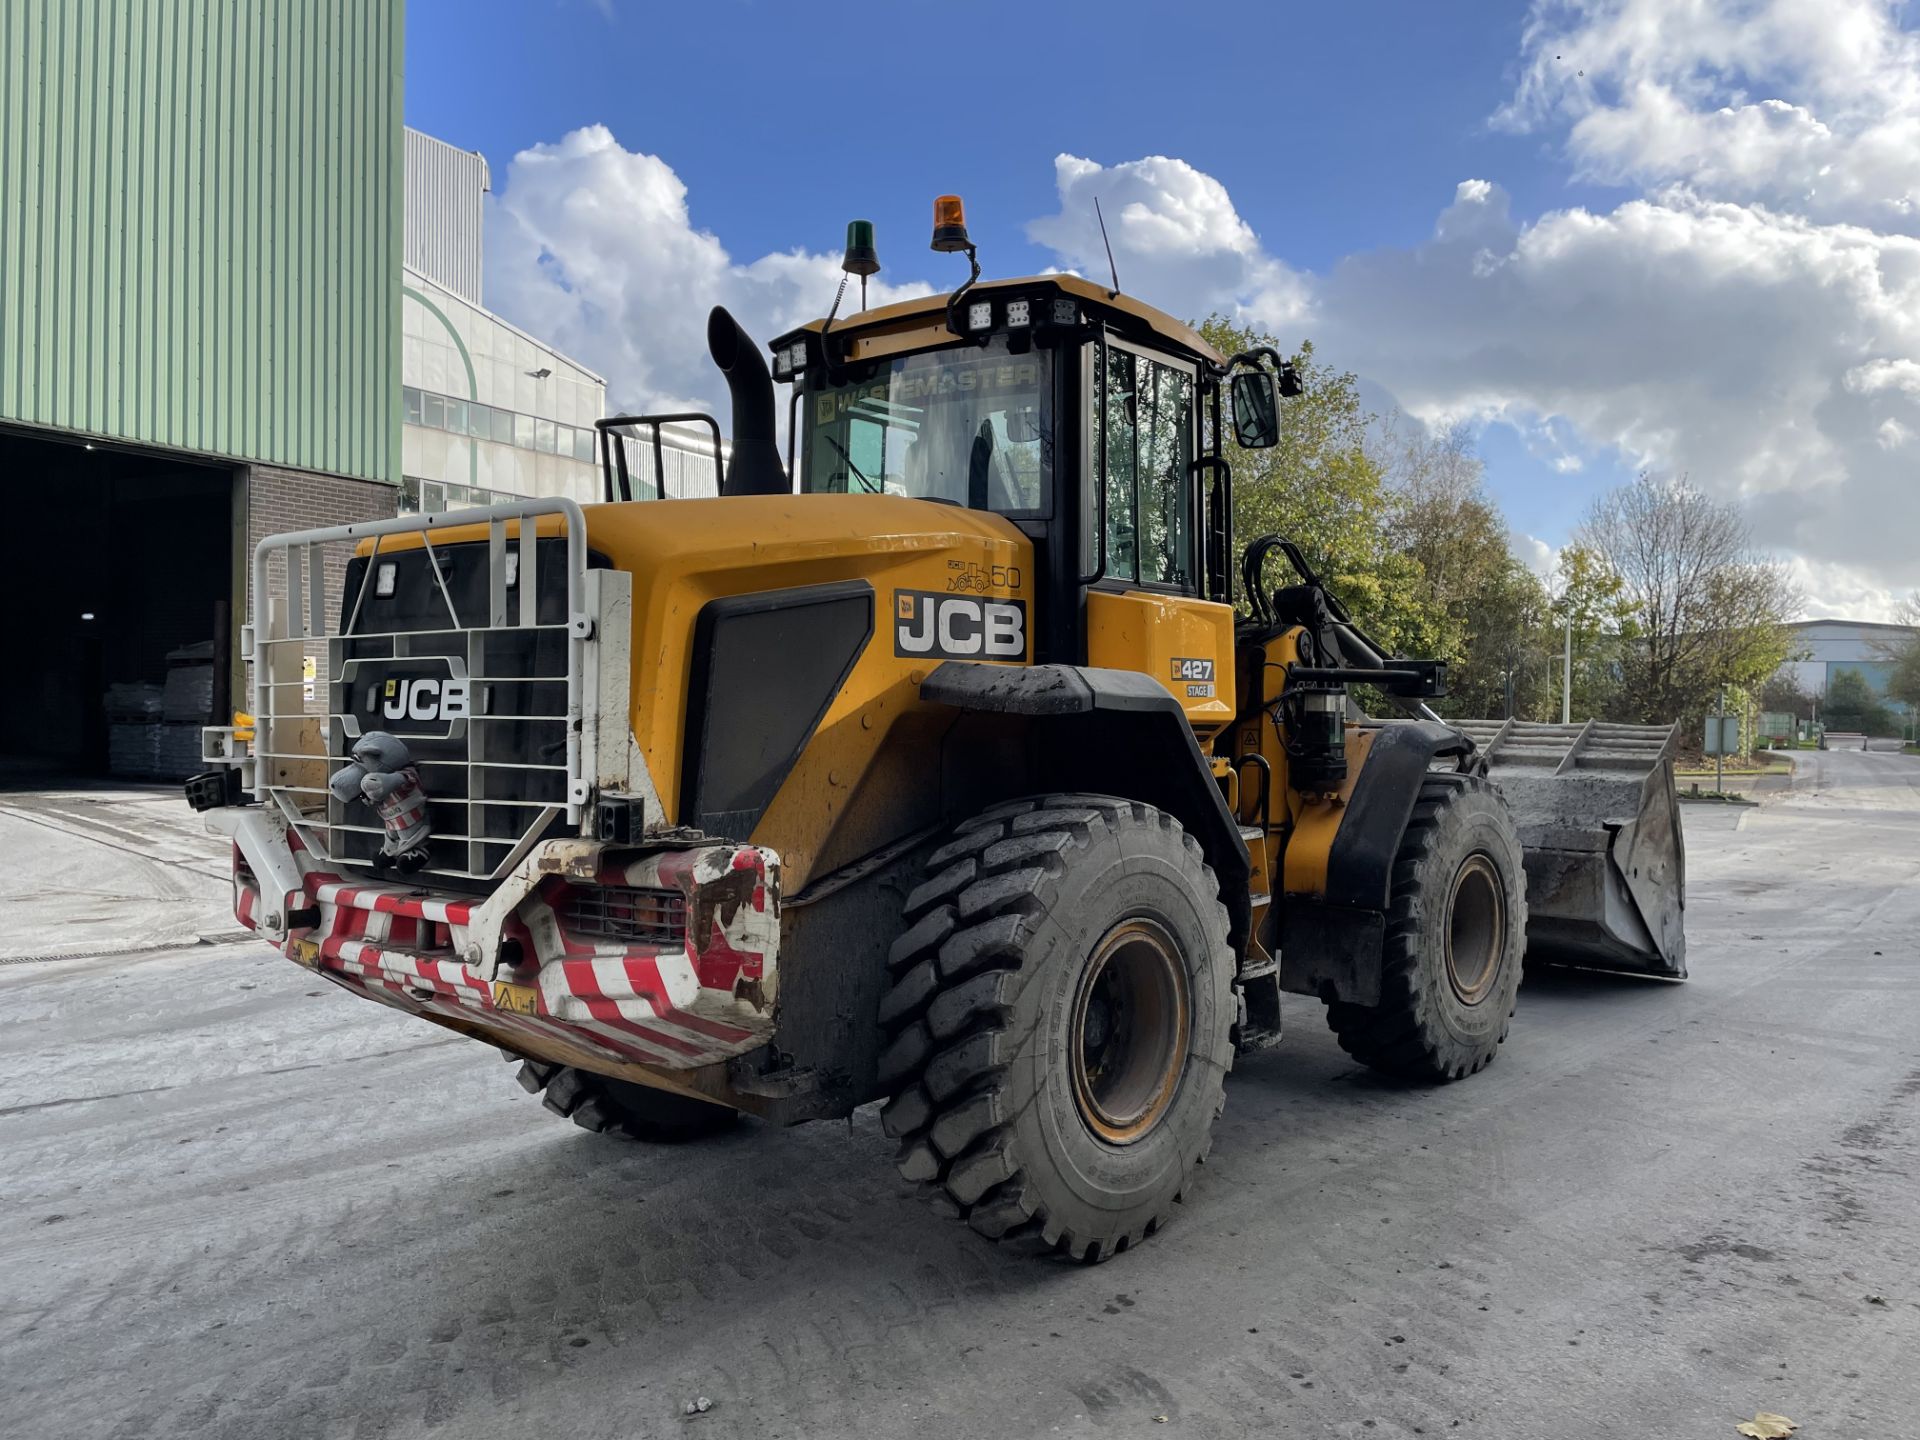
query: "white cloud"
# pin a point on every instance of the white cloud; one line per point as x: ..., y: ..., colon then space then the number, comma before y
x: 591, y: 247
x: 1761, y: 353
x: 1536, y: 554
x: 1844, y: 592
x: 1750, y: 316
x: 1810, y: 107
x: 1877, y: 375
x: 1176, y: 236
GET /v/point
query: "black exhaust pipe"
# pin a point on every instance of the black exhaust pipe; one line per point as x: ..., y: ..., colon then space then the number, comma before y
x: 755, y: 467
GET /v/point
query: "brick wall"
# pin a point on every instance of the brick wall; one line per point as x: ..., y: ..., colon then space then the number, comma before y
x: 282, y: 500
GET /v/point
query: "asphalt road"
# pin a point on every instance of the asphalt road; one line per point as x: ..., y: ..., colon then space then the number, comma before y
x: 237, y: 1203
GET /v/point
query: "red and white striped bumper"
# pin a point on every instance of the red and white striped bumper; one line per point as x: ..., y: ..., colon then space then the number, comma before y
x: 666, y: 960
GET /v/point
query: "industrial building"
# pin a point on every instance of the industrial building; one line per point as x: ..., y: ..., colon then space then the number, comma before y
x: 237, y: 297
x: 200, y: 267
x: 489, y: 412
x: 1823, y: 648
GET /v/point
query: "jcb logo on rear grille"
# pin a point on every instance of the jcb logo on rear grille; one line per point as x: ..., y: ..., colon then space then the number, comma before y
x: 416, y: 697
x: 958, y: 627
x: 425, y: 699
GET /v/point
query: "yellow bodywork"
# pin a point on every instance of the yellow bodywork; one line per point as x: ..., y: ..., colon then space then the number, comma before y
x: 878, y: 736
x: 1185, y: 644
x: 921, y: 323
x: 1301, y: 827
x: 684, y: 553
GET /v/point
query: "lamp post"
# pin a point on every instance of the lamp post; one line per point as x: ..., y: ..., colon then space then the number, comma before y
x: 1566, y: 675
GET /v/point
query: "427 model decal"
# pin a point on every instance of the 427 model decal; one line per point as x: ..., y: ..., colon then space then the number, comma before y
x: 958, y: 627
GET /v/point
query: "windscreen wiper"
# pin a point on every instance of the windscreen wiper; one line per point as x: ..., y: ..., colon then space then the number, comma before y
x: 858, y: 474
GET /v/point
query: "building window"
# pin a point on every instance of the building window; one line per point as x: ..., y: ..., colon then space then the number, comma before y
x: 503, y: 427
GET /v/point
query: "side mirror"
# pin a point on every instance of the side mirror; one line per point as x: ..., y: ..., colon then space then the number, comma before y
x: 1256, y: 409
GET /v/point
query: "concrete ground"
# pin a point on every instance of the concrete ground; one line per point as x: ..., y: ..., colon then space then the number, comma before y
x: 239, y: 1203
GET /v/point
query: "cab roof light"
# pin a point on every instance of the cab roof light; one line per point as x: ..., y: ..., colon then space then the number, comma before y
x: 950, y: 224
x: 861, y: 258
x: 1019, y: 314
x: 789, y: 360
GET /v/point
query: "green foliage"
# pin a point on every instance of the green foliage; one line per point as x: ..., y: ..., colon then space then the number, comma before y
x: 1903, y: 681
x: 1484, y: 607
x: 1593, y: 595
x: 1667, y: 600
x: 1322, y: 489
x: 1781, y: 692
x: 1851, y: 704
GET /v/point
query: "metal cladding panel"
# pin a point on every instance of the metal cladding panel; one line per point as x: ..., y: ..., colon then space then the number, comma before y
x: 200, y: 211
x: 443, y: 189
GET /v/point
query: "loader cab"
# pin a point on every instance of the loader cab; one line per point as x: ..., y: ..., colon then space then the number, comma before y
x: 1088, y: 420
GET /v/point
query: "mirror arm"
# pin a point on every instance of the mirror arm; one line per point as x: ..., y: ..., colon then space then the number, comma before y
x: 1289, y: 377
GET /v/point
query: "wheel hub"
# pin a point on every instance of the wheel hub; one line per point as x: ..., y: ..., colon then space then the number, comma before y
x: 1130, y: 1031
x: 1476, y: 928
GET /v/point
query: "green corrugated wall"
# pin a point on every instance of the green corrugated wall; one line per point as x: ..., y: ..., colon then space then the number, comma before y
x: 200, y: 210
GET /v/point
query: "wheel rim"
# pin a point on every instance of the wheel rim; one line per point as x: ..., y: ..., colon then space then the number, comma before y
x: 1476, y: 929
x: 1131, y: 1020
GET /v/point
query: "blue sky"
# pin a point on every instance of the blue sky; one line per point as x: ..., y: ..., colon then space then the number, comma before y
x: 1321, y: 183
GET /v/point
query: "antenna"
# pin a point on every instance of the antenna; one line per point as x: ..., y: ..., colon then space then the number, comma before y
x: 1112, y: 269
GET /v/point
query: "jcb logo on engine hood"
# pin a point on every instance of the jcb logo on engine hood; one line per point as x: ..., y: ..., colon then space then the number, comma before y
x: 958, y: 627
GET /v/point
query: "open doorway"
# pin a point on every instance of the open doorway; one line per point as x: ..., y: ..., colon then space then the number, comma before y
x: 119, y: 558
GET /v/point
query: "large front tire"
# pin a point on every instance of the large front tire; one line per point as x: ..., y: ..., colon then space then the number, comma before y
x: 1456, y: 935
x: 1056, y: 1032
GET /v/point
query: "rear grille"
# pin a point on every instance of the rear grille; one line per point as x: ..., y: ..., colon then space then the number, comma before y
x: 635, y: 916
x: 463, y: 636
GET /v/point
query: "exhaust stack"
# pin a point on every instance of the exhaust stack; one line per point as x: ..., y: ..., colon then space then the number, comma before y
x: 755, y: 467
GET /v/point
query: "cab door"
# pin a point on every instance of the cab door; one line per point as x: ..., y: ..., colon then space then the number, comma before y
x: 1145, y: 612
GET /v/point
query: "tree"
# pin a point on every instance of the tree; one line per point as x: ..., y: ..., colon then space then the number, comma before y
x: 1592, y: 598
x: 1708, y: 608
x: 1782, y: 694
x: 1485, y: 609
x: 1903, y: 679
x: 1852, y: 705
x: 1321, y: 488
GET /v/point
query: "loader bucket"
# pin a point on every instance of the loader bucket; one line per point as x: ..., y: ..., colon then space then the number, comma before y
x: 1600, y: 826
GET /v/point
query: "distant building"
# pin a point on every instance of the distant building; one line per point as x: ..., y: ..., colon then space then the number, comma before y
x: 200, y: 264
x: 489, y: 413
x: 1823, y: 648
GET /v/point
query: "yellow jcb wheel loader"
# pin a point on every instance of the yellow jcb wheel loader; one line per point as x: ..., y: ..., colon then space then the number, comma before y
x: 933, y: 766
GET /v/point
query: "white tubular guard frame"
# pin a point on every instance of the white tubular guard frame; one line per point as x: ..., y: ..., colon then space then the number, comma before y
x: 292, y: 616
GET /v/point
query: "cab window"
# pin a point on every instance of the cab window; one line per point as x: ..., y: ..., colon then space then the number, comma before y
x: 968, y: 425
x: 1146, y: 414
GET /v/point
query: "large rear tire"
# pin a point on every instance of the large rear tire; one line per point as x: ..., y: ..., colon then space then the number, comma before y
x: 1456, y: 935
x: 619, y: 1107
x: 1056, y: 1031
